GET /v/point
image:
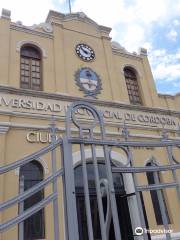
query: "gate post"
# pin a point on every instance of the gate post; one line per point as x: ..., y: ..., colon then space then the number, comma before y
x: 21, y: 208
x: 138, y: 197
x: 70, y: 197
x: 55, y: 190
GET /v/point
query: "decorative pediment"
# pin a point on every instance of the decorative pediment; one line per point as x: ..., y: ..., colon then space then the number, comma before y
x: 54, y: 16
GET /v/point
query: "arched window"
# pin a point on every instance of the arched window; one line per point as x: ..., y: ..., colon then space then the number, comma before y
x: 154, y: 197
x: 34, y: 226
x: 30, y: 68
x: 132, y: 86
x: 121, y: 199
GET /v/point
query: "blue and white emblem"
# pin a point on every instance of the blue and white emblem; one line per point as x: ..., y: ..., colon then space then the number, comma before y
x: 88, y: 81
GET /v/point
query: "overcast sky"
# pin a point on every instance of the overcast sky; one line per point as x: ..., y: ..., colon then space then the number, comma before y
x: 153, y: 24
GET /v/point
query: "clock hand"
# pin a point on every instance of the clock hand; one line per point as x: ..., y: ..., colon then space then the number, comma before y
x: 85, y: 50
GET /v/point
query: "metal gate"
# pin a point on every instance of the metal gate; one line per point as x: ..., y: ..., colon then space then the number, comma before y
x: 89, y: 135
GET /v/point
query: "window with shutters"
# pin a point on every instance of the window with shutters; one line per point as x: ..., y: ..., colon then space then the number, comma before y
x: 132, y: 86
x: 31, y: 68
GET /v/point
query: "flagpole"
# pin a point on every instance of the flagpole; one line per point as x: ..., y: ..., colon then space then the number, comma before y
x: 69, y: 6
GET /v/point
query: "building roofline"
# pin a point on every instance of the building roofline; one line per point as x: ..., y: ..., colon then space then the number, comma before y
x: 52, y: 15
x: 169, y: 95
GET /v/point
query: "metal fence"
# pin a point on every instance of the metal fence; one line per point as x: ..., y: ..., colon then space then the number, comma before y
x: 90, y: 133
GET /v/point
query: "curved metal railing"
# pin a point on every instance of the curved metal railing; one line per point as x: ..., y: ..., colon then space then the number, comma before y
x: 30, y: 157
x: 23, y: 215
x: 85, y: 137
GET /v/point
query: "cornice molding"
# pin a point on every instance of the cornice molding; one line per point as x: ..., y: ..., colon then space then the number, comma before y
x: 3, y: 129
x: 105, y: 29
x: 56, y: 23
x: 168, y: 95
x: 126, y: 54
x: 68, y: 98
x: 106, y: 37
x: 30, y: 31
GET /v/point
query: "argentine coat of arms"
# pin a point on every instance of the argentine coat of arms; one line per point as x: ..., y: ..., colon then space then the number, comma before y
x: 88, y: 81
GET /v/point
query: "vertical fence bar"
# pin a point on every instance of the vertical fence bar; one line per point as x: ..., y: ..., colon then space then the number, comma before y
x: 86, y: 192
x: 64, y: 195
x: 21, y: 208
x: 110, y: 180
x: 169, y: 151
x: 139, y: 203
x: 162, y: 207
x: 71, y: 206
x: 98, y: 191
x: 112, y: 194
x: 71, y: 210
x: 54, y: 168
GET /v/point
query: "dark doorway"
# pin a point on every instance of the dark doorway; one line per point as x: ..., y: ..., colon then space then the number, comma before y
x: 121, y: 200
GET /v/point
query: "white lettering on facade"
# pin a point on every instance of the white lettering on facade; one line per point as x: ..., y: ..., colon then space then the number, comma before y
x: 113, y: 115
x: 39, y: 137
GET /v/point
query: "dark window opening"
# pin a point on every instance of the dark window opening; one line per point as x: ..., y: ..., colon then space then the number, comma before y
x: 145, y: 215
x: 34, y: 226
x: 154, y: 197
x: 121, y: 201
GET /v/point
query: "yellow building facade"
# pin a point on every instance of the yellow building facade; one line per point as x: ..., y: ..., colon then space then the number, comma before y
x: 43, y: 70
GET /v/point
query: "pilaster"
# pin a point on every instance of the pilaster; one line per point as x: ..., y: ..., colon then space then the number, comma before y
x: 59, y: 58
x: 4, y: 43
x: 149, y: 80
x: 114, y: 91
x: 3, y: 132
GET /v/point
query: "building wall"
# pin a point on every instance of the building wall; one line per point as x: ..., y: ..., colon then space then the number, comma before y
x: 60, y: 61
x: 24, y: 130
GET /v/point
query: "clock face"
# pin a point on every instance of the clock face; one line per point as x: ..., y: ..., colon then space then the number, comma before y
x: 85, y: 52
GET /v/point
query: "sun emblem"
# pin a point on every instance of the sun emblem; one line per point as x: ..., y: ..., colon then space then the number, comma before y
x: 88, y: 82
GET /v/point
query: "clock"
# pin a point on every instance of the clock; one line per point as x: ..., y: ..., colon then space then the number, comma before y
x: 85, y: 52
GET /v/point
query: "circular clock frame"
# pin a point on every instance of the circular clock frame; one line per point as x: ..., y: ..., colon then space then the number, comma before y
x: 85, y: 52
